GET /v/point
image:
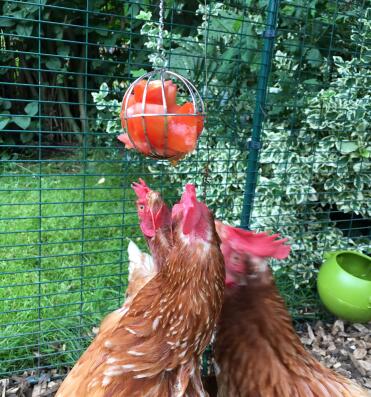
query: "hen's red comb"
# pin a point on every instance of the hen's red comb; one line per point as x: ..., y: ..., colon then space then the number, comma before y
x: 187, y: 200
x: 140, y: 189
x: 190, y: 189
x: 189, y: 194
x: 190, y: 208
x: 258, y: 244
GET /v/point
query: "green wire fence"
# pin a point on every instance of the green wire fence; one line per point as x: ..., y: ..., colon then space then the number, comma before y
x: 286, y: 148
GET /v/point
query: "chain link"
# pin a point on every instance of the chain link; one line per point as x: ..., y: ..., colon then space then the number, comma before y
x: 206, y: 170
x: 160, y: 39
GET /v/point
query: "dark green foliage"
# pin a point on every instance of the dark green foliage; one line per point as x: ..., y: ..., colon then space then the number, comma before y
x: 47, y: 52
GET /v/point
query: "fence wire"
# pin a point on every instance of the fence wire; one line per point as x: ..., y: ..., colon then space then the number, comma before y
x: 66, y: 207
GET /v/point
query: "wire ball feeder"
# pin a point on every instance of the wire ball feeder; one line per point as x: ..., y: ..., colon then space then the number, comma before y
x: 162, y: 112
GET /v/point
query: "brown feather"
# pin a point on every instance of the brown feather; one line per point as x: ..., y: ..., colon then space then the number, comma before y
x: 258, y: 353
x: 154, y: 347
x: 160, y: 245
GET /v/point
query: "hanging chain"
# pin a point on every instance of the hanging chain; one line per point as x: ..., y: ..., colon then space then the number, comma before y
x: 206, y: 171
x: 160, y: 40
x: 205, y: 53
x: 161, y: 55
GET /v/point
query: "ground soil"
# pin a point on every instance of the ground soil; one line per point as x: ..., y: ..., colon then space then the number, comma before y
x: 346, y: 348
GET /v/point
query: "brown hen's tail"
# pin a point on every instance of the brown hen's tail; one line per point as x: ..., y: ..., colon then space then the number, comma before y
x: 332, y: 385
x: 347, y: 388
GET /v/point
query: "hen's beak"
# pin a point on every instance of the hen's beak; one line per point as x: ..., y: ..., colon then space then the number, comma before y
x: 154, y: 200
x: 220, y: 229
x: 152, y: 197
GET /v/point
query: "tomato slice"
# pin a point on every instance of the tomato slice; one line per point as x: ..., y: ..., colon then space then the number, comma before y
x: 154, y: 92
x: 135, y: 128
x: 189, y: 108
x: 153, y: 125
x: 131, y: 102
x: 182, y: 137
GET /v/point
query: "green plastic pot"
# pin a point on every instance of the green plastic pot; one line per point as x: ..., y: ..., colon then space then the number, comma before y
x: 344, y: 285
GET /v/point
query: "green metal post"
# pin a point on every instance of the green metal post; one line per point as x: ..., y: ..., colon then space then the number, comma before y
x: 255, y: 143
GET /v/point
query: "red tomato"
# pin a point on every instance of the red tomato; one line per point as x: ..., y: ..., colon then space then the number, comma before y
x: 131, y: 102
x: 154, y: 126
x: 169, y: 136
x: 135, y: 128
x: 179, y: 135
x: 182, y: 137
x: 189, y: 108
x: 154, y: 92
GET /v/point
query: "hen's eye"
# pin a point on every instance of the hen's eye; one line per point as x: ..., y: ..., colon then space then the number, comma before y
x: 141, y: 207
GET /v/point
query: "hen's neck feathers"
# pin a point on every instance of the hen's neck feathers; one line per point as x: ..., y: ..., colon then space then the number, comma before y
x: 263, y: 306
x: 183, y: 300
x: 204, y: 262
x: 160, y: 245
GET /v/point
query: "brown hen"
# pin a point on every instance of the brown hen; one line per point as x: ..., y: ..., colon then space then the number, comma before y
x: 154, y: 348
x: 155, y: 223
x: 257, y: 351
